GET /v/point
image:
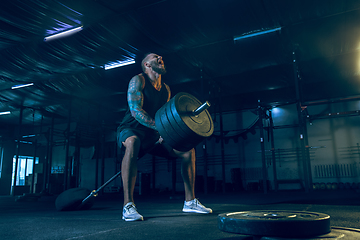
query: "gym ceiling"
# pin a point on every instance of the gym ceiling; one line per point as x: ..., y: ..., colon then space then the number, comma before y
x: 315, y: 42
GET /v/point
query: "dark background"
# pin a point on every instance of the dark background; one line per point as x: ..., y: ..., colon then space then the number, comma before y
x: 196, y: 40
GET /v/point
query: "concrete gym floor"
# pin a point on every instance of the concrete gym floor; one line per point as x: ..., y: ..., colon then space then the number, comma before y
x: 163, y: 216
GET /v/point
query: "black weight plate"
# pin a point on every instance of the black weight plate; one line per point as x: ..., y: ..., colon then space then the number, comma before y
x: 336, y: 233
x: 72, y: 198
x: 188, y: 139
x: 275, y: 223
x: 164, y: 128
x: 179, y: 127
x: 178, y: 140
x: 181, y: 130
x: 168, y: 129
x: 201, y: 124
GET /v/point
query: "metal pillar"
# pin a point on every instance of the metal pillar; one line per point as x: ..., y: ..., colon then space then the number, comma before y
x: 262, y: 144
x: 32, y: 186
x: 153, y: 172
x: 97, y: 150
x: 271, y: 131
x: 173, y: 175
x: 307, y: 152
x: 97, y: 161
x: 222, y: 145
x: 48, y: 162
x: 302, y: 128
x: 17, y: 149
x: 205, y: 168
x: 102, y: 156
x: 204, y: 142
x: 48, y: 153
x: 76, y: 163
x: 66, y: 170
x: 35, y: 153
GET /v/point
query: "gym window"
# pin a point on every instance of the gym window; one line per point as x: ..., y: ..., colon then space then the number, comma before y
x: 25, y: 167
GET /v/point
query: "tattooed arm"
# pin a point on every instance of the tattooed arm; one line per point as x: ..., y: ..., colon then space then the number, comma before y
x: 135, y: 99
x: 169, y: 92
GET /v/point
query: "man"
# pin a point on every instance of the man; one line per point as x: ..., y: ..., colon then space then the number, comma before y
x: 137, y: 133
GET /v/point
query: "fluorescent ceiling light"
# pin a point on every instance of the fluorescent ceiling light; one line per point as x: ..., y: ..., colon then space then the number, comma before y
x: 28, y: 136
x: 256, y: 33
x: 24, y: 142
x: 5, y: 113
x: 22, y: 85
x: 63, y: 34
x: 119, y: 63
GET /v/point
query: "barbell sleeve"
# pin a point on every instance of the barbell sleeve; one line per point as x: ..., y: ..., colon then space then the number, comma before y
x: 202, y: 108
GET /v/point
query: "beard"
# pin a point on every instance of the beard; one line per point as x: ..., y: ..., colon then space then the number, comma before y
x: 158, y: 68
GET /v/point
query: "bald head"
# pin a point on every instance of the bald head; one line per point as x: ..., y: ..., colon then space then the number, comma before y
x: 153, y: 62
x: 145, y: 59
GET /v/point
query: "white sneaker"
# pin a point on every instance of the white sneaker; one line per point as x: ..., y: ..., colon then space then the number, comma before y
x: 196, y: 207
x: 130, y: 213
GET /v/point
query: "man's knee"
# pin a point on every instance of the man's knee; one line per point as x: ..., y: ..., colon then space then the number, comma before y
x: 186, y: 156
x: 132, y: 142
x: 132, y: 148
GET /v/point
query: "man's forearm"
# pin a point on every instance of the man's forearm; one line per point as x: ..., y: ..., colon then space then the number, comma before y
x: 143, y: 118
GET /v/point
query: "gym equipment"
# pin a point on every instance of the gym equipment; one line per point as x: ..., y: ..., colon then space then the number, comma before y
x: 336, y: 233
x: 74, y: 199
x: 79, y: 198
x: 183, y: 122
x: 275, y: 223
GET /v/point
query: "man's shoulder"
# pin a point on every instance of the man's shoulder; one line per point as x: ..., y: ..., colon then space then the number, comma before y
x: 138, y: 79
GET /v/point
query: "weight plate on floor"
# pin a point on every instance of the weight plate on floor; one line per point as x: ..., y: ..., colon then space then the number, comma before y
x: 336, y: 233
x: 71, y: 200
x: 275, y: 223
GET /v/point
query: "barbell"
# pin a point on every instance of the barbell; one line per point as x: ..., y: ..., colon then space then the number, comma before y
x: 183, y: 122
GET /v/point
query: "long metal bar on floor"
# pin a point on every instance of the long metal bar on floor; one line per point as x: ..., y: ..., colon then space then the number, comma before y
x: 94, y: 193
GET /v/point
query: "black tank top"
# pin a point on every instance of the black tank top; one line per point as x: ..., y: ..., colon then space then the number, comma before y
x: 153, y: 101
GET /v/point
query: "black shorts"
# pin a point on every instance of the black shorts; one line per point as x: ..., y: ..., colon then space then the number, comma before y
x: 148, y: 142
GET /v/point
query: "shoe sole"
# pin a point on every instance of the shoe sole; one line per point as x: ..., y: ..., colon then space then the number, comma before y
x: 132, y: 219
x: 195, y: 211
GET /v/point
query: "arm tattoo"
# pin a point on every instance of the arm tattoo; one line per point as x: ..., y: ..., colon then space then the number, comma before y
x: 169, y: 92
x: 135, y: 100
